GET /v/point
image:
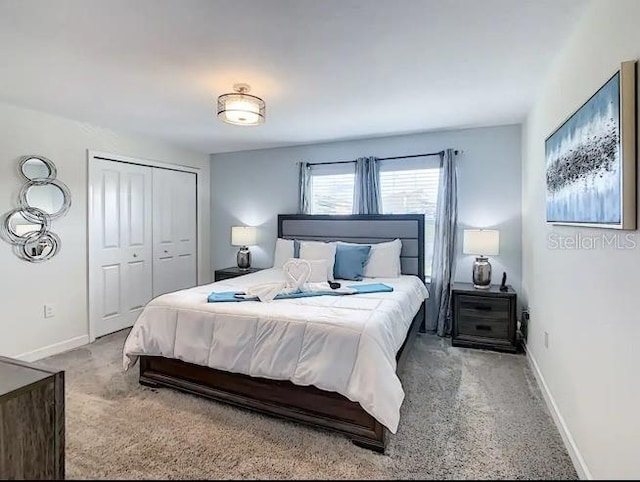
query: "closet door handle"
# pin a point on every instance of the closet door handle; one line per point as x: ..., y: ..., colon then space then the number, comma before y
x: 135, y: 255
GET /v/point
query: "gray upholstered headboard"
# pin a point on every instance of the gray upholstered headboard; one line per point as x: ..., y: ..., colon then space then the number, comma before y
x: 366, y: 228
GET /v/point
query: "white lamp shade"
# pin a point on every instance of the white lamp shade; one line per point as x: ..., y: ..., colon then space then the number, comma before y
x: 240, y: 111
x: 481, y: 242
x: 244, y: 236
x: 240, y: 108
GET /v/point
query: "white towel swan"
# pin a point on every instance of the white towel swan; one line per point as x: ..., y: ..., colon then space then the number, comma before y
x: 297, y: 273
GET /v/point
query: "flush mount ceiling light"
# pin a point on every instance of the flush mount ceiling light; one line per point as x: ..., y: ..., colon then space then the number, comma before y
x: 240, y: 108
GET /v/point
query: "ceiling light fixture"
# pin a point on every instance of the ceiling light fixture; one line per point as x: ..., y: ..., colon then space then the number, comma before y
x: 240, y: 108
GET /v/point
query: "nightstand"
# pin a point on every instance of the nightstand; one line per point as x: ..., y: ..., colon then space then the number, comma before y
x: 233, y: 272
x: 484, y: 318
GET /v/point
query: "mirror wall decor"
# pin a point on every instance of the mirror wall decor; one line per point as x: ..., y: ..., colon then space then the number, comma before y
x: 42, y: 199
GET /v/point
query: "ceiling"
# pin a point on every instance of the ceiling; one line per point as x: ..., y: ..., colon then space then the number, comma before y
x: 327, y: 69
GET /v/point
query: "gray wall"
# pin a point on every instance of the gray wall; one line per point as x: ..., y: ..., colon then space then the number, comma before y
x: 253, y: 187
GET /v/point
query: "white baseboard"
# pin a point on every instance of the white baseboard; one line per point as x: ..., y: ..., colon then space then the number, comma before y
x: 54, y: 349
x: 578, y: 462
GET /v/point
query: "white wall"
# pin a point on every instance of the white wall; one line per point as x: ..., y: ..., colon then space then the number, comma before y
x: 26, y: 287
x: 587, y: 300
x: 253, y: 187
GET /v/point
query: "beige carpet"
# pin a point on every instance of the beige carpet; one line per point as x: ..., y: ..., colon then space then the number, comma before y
x: 468, y: 414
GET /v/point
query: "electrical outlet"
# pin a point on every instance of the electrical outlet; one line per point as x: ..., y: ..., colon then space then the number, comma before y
x: 546, y: 339
x: 49, y: 311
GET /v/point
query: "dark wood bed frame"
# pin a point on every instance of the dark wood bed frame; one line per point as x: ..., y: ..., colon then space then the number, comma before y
x: 306, y: 404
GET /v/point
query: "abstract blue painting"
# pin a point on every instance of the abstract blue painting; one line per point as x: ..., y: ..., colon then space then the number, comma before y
x: 583, y: 163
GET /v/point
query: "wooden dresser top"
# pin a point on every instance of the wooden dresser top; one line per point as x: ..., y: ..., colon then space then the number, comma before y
x: 15, y: 374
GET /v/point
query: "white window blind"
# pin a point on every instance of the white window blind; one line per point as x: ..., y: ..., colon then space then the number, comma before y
x: 411, y: 187
x: 332, y: 189
x: 412, y: 191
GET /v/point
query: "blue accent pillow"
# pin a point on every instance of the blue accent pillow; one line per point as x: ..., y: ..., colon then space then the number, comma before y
x: 350, y: 261
x: 296, y: 248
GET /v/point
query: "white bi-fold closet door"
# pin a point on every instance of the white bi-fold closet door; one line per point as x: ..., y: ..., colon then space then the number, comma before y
x: 143, y: 239
x: 174, y: 231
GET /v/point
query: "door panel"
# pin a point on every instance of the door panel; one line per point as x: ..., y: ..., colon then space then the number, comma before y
x: 110, y: 207
x: 174, y: 231
x: 137, y: 214
x: 120, y: 272
x: 111, y: 291
x: 138, y: 277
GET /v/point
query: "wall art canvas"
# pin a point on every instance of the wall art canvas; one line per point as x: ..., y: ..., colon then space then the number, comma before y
x: 591, y: 159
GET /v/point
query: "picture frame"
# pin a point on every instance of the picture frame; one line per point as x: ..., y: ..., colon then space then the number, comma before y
x: 590, y: 159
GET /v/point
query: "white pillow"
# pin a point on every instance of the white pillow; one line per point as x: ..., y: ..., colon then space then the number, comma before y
x: 283, y: 251
x: 318, y: 271
x: 384, y: 260
x: 319, y: 250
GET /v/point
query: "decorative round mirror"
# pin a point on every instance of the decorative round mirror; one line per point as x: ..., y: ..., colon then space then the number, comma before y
x: 53, y: 197
x: 22, y: 225
x: 41, y: 199
x: 37, y: 168
x: 39, y: 248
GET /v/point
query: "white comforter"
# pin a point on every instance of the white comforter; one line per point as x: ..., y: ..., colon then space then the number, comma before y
x: 345, y: 344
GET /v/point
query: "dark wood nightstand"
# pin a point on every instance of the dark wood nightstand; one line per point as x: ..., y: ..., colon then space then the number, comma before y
x: 233, y: 272
x: 484, y: 318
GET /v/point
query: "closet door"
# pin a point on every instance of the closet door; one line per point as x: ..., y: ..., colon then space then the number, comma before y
x: 121, y: 244
x: 174, y: 231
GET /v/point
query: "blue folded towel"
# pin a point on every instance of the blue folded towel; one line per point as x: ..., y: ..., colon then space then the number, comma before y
x: 230, y: 296
x: 372, y: 288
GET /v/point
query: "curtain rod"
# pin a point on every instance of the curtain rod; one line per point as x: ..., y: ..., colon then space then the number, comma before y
x: 380, y: 158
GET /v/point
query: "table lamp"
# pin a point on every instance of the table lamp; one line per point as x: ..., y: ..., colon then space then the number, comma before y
x: 244, y: 236
x: 481, y: 242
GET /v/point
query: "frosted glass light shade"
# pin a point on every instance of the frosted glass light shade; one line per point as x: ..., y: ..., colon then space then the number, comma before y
x: 244, y: 236
x: 481, y: 242
x: 241, y: 109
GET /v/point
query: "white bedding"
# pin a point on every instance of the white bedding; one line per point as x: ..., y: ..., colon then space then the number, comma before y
x: 345, y: 344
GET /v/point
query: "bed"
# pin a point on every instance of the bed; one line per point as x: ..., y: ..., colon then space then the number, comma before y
x: 328, y: 361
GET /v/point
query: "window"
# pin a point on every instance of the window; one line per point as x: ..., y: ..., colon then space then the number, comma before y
x: 332, y: 189
x: 407, y: 187
x: 412, y: 191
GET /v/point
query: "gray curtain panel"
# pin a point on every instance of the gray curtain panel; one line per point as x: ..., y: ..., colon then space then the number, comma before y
x: 366, y: 190
x: 444, y: 249
x: 304, y: 188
